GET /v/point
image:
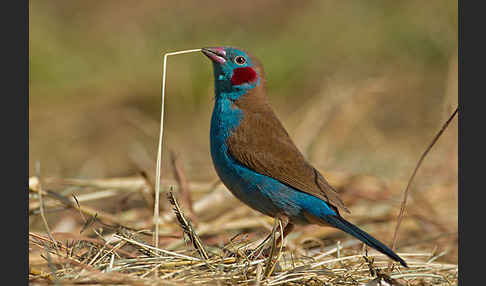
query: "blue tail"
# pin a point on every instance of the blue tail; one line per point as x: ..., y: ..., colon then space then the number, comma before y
x: 342, y: 224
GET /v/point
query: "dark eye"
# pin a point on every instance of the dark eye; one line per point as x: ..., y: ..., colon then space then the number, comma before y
x: 239, y: 60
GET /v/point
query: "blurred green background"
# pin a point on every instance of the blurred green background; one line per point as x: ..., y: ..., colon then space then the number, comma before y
x: 361, y: 86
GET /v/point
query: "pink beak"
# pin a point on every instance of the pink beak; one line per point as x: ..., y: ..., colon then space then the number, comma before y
x: 216, y: 54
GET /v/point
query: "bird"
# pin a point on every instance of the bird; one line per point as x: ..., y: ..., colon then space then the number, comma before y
x: 256, y: 159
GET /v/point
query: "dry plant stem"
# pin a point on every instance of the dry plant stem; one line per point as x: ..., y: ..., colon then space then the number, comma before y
x: 405, y: 193
x: 84, y: 209
x: 272, y: 248
x: 159, y: 151
x: 258, y: 277
x: 156, y: 250
x: 187, y: 227
x: 52, y: 268
x: 41, y: 207
x: 271, y: 264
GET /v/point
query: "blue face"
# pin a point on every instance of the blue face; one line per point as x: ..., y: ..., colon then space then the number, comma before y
x: 234, y: 71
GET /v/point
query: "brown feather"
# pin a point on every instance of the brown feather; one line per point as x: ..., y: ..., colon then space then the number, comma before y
x: 262, y: 144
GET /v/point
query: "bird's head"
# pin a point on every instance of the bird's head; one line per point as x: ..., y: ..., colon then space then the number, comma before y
x: 235, y: 71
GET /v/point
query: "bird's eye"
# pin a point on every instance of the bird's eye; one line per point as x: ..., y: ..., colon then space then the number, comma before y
x: 239, y: 60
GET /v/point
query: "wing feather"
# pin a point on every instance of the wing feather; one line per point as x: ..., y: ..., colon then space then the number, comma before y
x: 262, y: 144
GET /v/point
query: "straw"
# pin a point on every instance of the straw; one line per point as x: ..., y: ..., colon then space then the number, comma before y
x: 159, y: 150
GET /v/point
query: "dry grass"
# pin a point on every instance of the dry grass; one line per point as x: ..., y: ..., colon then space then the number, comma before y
x: 101, y: 250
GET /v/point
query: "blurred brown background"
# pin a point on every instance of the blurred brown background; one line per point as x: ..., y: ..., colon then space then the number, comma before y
x: 361, y: 86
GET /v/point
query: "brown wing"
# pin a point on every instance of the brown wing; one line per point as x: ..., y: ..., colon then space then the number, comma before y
x: 270, y: 151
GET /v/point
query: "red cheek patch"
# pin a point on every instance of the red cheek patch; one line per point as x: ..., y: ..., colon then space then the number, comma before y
x: 243, y: 75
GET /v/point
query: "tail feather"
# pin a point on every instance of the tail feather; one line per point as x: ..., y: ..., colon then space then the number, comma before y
x: 342, y: 224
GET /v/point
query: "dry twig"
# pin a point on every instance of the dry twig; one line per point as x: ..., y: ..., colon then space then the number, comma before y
x: 405, y: 193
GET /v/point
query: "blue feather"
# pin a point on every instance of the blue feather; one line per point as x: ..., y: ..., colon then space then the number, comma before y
x: 360, y: 234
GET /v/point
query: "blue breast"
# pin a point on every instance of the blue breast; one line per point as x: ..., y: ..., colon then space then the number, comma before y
x: 258, y: 191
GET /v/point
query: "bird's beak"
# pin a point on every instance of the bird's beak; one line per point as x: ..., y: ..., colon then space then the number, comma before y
x: 216, y: 54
